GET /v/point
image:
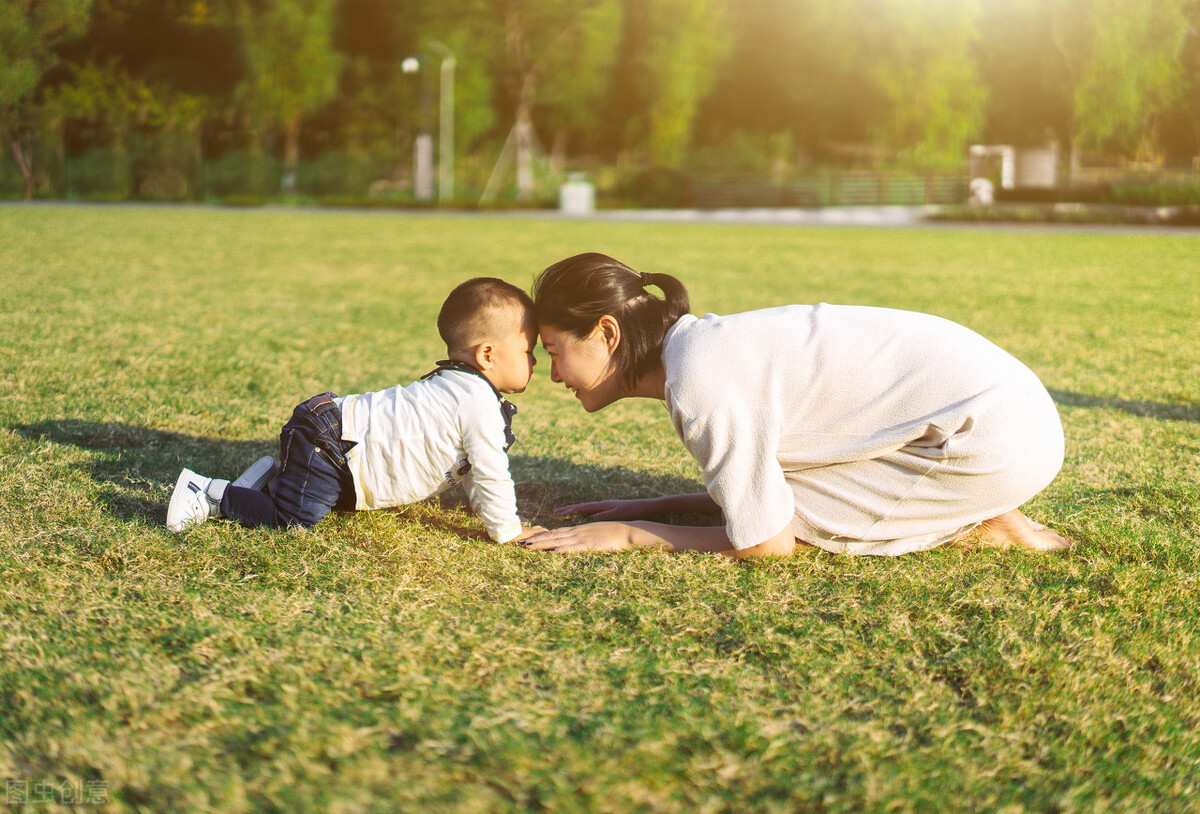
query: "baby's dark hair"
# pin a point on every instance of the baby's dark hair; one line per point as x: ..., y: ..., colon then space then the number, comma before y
x: 480, y: 309
x: 573, y: 294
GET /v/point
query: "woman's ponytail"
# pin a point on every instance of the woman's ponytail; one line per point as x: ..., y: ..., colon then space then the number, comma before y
x: 574, y: 293
x: 675, y: 296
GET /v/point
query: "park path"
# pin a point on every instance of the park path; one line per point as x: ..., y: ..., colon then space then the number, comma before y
x: 908, y: 217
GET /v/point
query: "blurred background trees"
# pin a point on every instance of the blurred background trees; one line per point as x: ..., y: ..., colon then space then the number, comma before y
x: 199, y: 97
x: 29, y: 32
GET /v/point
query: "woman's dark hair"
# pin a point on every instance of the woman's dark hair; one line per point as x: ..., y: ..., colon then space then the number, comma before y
x: 574, y: 293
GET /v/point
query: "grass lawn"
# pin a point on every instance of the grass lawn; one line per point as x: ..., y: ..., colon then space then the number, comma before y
x: 399, y: 661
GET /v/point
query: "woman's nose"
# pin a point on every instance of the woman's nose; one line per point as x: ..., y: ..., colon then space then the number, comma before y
x: 554, y: 377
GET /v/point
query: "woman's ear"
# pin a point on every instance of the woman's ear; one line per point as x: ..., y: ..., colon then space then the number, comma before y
x: 610, y: 330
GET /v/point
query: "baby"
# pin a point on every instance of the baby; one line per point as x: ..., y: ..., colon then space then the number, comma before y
x: 399, y: 445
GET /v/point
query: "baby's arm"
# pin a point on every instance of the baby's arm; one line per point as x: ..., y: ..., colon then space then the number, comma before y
x: 492, y: 496
x: 489, y: 483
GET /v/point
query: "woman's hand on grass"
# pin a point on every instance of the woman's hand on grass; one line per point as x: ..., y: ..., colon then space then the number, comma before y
x: 616, y: 536
x: 588, y: 537
x: 642, y: 508
x: 609, y: 509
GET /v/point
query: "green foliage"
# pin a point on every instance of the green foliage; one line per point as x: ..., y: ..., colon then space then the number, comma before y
x: 1161, y: 193
x: 574, y: 63
x: 338, y: 175
x: 549, y: 54
x: 293, y: 68
x: 100, y: 174
x: 397, y: 661
x: 645, y: 83
x: 744, y: 151
x: 109, y: 93
x: 925, y: 70
x: 1102, y: 73
x: 686, y: 45
x: 1139, y: 192
x: 474, y: 89
x: 29, y: 30
x: 654, y: 187
x: 166, y: 165
x: 1127, y: 71
x: 44, y: 151
x: 155, y: 132
x: 800, y: 67
x: 12, y: 183
x: 242, y: 176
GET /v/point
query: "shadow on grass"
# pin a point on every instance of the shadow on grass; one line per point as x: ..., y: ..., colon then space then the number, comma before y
x: 544, y: 484
x: 1145, y: 409
x: 140, y: 463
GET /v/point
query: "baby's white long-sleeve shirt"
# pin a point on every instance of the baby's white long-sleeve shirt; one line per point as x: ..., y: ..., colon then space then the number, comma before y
x: 415, y: 441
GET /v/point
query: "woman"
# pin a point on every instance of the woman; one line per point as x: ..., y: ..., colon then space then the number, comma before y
x: 858, y: 430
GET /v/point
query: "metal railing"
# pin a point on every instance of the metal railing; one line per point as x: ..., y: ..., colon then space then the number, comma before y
x: 852, y: 188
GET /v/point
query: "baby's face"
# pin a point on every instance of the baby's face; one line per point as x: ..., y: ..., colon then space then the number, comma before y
x: 513, y: 360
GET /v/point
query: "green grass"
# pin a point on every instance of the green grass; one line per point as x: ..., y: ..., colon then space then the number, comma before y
x: 398, y: 661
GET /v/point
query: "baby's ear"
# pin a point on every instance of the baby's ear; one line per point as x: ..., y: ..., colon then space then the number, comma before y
x: 483, y: 354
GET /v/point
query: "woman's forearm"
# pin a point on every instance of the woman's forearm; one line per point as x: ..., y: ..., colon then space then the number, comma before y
x: 620, y: 535
x: 711, y: 539
x: 696, y: 503
x: 679, y: 538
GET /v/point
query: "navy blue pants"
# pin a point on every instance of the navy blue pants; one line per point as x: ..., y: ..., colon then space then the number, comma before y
x: 314, y: 478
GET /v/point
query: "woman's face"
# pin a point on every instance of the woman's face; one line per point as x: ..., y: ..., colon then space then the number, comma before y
x: 584, y: 365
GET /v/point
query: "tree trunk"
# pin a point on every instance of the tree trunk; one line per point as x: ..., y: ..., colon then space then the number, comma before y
x: 558, y: 153
x: 524, y: 156
x: 291, y: 154
x: 525, y: 138
x: 23, y: 164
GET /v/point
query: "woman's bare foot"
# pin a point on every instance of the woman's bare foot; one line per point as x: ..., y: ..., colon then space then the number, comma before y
x: 1015, y: 530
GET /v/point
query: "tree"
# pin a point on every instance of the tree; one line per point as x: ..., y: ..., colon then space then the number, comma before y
x: 571, y: 101
x: 671, y: 54
x: 1100, y: 73
x: 688, y: 44
x: 29, y: 30
x: 1180, y: 128
x: 922, y: 61
x: 556, y: 55
x: 378, y: 102
x: 1028, y: 88
x: 292, y: 68
x: 898, y: 73
x: 1123, y: 56
x: 794, y: 68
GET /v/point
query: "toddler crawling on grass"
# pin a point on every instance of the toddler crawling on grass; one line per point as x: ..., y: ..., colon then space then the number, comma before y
x: 402, y: 444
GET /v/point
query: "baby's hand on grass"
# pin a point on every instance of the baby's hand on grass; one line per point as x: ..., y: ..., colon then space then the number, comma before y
x: 528, y: 532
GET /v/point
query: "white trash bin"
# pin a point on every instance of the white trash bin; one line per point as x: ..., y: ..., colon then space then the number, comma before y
x: 577, y: 197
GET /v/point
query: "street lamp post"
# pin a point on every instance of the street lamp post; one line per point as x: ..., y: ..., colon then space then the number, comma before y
x: 445, y: 124
x: 423, y: 147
